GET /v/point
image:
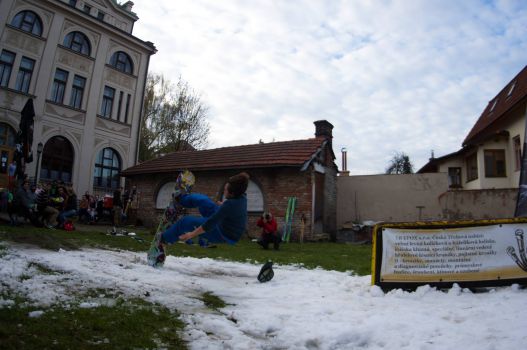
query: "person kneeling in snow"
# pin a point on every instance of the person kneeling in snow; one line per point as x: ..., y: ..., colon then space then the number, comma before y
x: 218, y: 223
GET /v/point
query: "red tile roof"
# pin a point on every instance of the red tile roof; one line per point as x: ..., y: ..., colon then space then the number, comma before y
x: 499, y: 106
x: 286, y: 153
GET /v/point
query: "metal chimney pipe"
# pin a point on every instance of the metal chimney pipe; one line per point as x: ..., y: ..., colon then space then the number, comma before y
x: 344, y: 159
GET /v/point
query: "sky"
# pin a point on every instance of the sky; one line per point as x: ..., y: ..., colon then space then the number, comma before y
x: 406, y: 76
x: 299, y: 309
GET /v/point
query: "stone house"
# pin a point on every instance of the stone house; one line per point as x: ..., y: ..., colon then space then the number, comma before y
x: 304, y: 169
x: 86, y: 72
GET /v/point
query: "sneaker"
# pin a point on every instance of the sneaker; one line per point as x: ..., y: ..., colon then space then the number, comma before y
x: 51, y: 227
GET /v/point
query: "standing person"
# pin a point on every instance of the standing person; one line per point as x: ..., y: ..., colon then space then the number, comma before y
x: 223, y: 223
x: 25, y: 203
x: 117, y: 207
x: 269, y: 231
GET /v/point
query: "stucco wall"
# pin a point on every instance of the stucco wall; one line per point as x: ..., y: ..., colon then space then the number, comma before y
x: 414, y: 197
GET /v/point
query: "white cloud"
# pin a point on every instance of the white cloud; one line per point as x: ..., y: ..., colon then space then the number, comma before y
x: 407, y: 76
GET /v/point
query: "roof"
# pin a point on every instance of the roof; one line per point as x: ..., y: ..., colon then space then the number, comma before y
x: 433, y: 163
x: 512, y: 94
x: 287, y: 153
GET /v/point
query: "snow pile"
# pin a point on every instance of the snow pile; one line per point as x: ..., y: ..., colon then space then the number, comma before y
x: 298, y: 309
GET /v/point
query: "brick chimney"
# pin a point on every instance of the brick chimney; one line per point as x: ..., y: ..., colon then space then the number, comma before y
x: 323, y: 128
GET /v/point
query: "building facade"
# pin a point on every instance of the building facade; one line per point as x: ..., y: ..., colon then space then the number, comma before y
x: 86, y: 72
x: 490, y: 157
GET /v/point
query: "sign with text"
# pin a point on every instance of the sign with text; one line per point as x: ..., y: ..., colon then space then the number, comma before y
x: 479, y: 255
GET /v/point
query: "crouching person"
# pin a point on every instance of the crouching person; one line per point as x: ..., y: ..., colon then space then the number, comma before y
x: 269, y: 231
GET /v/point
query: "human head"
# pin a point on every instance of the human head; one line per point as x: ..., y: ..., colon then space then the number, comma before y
x: 236, y: 185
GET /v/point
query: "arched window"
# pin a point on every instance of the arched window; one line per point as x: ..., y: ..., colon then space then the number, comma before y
x: 57, y: 160
x: 121, y: 61
x: 78, y: 42
x: 107, y: 169
x: 164, y: 195
x: 28, y: 21
x: 7, y: 135
x: 255, y: 201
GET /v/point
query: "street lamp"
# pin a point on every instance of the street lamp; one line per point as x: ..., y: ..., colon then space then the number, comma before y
x: 40, y: 147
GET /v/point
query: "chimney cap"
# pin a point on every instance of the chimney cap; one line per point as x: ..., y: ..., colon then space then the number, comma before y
x: 323, y: 128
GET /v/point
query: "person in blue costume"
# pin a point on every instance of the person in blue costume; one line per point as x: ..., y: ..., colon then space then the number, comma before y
x: 223, y: 222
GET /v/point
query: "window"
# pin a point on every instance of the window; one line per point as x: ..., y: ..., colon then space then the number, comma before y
x: 72, y: 3
x: 107, y: 102
x: 100, y: 15
x: 517, y: 153
x: 128, y: 98
x: 472, y: 167
x: 454, y: 177
x: 28, y: 21
x: 59, y: 86
x: 6, y: 66
x: 255, y: 202
x: 87, y: 9
x: 107, y: 169
x: 7, y: 135
x: 57, y: 160
x: 77, y: 91
x: 121, y: 61
x: 495, y: 163
x: 23, y: 78
x: 78, y: 42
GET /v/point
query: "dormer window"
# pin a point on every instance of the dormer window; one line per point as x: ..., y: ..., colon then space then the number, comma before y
x: 121, y: 61
x: 28, y: 21
x: 511, y: 89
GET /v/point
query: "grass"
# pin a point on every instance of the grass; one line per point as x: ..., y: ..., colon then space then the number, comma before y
x: 212, y: 301
x: 329, y: 256
x: 129, y: 324
x: 137, y: 324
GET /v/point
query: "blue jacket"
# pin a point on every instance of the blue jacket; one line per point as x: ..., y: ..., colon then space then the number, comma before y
x: 230, y: 218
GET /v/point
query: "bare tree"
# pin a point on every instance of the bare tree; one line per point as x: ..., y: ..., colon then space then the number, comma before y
x: 400, y: 164
x: 175, y: 118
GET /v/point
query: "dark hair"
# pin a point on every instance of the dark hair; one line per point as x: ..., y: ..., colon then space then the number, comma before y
x: 238, y: 184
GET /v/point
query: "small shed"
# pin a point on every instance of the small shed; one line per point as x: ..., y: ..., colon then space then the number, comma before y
x: 304, y: 169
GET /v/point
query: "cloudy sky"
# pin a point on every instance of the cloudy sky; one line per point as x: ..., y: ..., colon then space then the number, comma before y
x: 391, y: 76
